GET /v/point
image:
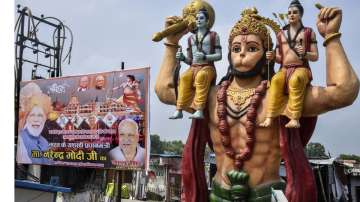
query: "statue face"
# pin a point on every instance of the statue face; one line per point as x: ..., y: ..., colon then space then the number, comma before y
x: 246, y: 51
x: 128, y: 136
x: 294, y: 15
x: 201, y: 21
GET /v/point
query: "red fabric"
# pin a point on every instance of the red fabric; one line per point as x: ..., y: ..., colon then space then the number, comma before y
x: 194, y: 187
x: 212, y: 42
x: 307, y: 38
x: 279, y: 44
x: 301, y: 185
x: 189, y: 51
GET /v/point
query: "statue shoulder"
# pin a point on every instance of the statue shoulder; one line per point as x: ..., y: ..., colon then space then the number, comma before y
x: 191, y: 38
x: 308, y: 29
x: 213, y: 32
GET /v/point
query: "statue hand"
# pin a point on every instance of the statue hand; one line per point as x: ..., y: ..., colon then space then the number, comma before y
x: 300, y: 49
x: 239, y: 189
x: 180, y: 56
x: 239, y: 192
x: 199, y: 56
x: 329, y: 21
x: 174, y: 38
x: 270, y: 55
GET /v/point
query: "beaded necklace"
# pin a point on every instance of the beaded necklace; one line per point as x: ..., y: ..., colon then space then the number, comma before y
x: 250, y: 123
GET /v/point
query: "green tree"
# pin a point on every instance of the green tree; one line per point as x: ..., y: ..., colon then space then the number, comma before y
x: 173, y: 147
x: 168, y: 147
x: 156, y: 144
x: 315, y: 150
x: 350, y: 157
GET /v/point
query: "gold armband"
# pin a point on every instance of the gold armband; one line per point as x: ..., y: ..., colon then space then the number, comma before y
x: 330, y: 37
x: 171, y: 45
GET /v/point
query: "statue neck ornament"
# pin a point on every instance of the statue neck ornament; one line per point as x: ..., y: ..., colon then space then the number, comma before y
x: 255, y: 97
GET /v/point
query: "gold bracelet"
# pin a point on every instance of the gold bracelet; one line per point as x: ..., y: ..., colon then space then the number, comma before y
x: 171, y: 45
x: 330, y: 37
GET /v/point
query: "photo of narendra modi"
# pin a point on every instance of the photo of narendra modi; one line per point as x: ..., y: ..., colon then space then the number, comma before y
x: 93, y: 120
x: 34, y: 109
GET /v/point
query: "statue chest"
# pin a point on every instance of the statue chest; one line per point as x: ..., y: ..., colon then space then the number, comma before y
x: 288, y: 43
x: 198, y: 44
x: 236, y: 112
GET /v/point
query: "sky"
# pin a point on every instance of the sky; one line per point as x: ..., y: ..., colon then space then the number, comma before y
x: 109, y: 32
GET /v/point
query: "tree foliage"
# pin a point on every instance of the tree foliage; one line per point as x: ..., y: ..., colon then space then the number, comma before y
x: 315, y: 150
x: 155, y: 144
x: 350, y: 157
x: 165, y: 147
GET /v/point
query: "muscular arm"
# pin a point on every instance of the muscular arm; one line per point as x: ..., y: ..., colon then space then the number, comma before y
x: 164, y: 86
x: 278, y: 56
x: 214, y: 57
x: 342, y: 83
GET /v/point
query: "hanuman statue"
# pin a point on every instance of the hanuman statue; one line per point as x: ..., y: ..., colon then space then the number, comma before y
x: 248, y: 156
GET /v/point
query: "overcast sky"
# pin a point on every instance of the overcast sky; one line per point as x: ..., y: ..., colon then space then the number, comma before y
x: 110, y: 31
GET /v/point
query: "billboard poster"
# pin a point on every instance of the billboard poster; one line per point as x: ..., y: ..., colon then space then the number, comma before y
x: 96, y: 120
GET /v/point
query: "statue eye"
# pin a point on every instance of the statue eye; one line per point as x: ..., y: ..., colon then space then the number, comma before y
x: 200, y: 18
x: 253, y: 49
x: 236, y: 49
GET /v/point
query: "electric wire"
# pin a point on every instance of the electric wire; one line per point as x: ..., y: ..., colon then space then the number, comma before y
x: 32, y: 33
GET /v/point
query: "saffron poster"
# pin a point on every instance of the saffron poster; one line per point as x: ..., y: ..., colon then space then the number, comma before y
x: 95, y: 120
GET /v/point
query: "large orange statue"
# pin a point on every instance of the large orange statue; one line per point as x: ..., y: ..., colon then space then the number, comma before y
x: 248, y: 156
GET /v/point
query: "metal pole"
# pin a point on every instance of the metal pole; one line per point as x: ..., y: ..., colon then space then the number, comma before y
x: 57, y: 53
x: 119, y: 182
x: 39, y: 19
x: 321, y: 184
x: 19, y: 71
x: 167, y: 184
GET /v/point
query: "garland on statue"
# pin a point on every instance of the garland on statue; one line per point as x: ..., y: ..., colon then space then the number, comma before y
x: 250, y: 123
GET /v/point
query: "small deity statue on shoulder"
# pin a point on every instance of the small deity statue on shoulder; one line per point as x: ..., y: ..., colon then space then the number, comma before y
x: 194, y: 84
x: 296, y: 46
